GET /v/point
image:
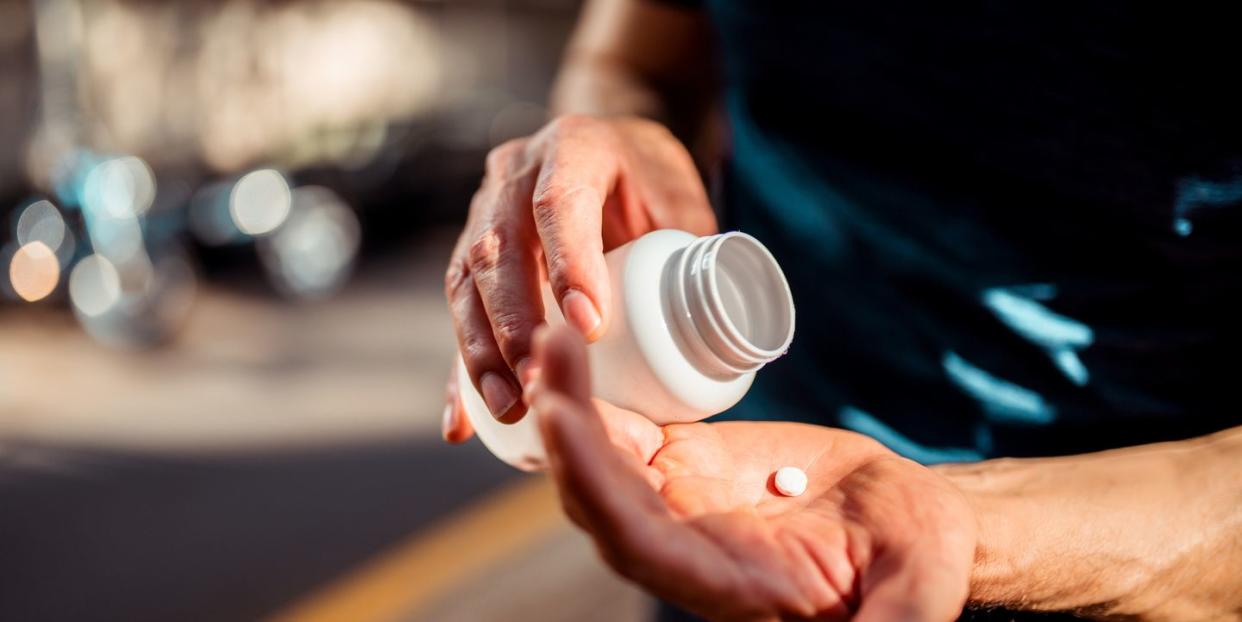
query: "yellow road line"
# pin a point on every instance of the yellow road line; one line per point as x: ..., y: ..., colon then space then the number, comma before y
x: 417, y: 572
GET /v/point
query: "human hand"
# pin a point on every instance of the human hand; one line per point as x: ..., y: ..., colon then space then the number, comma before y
x: 689, y: 512
x: 549, y: 207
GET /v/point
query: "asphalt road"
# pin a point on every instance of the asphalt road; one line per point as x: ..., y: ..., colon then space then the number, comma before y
x: 91, y: 535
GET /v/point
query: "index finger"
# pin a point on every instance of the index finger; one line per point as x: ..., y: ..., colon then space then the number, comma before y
x: 576, y: 177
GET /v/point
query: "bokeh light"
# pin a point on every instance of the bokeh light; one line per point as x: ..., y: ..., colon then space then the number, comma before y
x: 94, y: 286
x: 120, y: 187
x: 67, y: 250
x: 115, y: 194
x: 41, y: 222
x: 34, y: 271
x: 260, y: 202
x: 143, y: 306
x: 120, y: 239
x: 312, y: 254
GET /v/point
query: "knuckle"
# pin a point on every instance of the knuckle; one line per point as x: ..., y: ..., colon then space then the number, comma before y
x: 556, y: 198
x: 477, y: 347
x: 558, y: 266
x: 486, y: 251
x: 499, y: 158
x: 544, y: 203
x: 500, y: 195
x: 510, y: 330
x: 454, y: 277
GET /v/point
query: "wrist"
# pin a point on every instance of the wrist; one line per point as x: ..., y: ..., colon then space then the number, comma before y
x: 1004, y: 495
x: 1125, y: 532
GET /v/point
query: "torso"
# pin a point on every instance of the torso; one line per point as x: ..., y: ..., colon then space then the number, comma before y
x: 1009, y: 230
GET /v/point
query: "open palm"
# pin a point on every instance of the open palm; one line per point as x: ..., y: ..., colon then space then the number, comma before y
x: 689, y: 511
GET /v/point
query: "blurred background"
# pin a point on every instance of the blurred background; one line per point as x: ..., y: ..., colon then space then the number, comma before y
x: 223, y: 342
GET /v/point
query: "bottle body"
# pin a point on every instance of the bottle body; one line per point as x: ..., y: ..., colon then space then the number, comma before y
x: 666, y: 352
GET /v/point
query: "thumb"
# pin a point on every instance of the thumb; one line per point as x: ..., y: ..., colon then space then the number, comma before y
x: 561, y: 357
x: 600, y: 487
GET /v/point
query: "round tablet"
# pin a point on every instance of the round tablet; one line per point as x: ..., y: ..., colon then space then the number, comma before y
x: 790, y: 481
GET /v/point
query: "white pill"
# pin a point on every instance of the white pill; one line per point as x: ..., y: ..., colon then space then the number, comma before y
x: 790, y: 481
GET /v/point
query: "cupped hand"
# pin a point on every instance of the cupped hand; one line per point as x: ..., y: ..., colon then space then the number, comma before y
x: 689, y: 511
x: 549, y: 207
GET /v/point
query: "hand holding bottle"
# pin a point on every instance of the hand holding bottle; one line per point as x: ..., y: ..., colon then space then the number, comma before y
x: 549, y: 207
x: 692, y: 320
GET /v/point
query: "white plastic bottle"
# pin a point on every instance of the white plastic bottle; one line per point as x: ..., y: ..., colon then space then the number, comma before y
x: 692, y: 320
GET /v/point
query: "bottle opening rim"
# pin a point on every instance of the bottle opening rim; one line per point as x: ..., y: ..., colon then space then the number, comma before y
x: 742, y: 267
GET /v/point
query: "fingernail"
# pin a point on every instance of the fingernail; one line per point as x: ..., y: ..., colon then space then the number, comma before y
x: 448, y: 421
x: 581, y: 313
x: 498, y: 394
x: 526, y: 371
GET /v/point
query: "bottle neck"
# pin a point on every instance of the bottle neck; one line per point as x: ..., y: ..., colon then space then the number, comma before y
x: 731, y: 306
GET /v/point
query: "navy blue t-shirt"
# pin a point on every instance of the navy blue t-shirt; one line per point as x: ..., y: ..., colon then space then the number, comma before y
x: 1011, y: 228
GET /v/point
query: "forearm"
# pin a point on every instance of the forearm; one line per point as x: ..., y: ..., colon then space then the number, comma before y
x: 597, y: 85
x: 1153, y: 531
x: 639, y: 58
